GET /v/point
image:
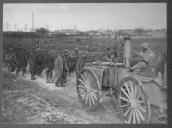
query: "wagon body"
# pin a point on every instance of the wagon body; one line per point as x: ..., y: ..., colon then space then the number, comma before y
x: 133, y: 93
x: 108, y: 75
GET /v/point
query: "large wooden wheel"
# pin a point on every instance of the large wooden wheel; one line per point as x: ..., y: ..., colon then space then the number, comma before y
x: 133, y: 103
x: 88, y: 89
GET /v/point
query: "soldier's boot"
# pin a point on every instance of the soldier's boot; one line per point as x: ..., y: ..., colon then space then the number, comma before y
x: 57, y: 83
x: 33, y: 77
x: 48, y: 80
x: 62, y: 83
x: 23, y: 72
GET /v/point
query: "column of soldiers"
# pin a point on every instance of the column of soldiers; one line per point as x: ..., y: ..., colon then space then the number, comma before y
x: 64, y: 64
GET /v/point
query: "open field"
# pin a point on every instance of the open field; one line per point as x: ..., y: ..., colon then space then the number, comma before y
x: 158, y: 45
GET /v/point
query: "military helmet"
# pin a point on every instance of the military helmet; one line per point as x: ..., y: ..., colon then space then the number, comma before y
x: 145, y: 45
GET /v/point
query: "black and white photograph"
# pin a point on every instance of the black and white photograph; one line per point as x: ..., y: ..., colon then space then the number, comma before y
x: 84, y: 63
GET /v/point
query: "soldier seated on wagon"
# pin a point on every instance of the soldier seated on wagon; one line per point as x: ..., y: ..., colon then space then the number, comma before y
x: 135, y: 59
x: 109, y: 55
x: 145, y: 66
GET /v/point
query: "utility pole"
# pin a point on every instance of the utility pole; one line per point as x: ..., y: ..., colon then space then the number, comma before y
x: 15, y: 27
x: 32, y: 26
x: 7, y: 25
x: 93, y: 40
x: 32, y: 22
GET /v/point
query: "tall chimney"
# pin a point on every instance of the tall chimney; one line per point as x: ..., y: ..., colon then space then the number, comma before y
x: 127, y: 51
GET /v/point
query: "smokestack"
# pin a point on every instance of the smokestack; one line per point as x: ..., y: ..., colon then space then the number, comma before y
x: 127, y: 50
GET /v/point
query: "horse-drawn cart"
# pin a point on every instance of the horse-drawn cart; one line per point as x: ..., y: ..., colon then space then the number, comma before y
x: 132, y: 92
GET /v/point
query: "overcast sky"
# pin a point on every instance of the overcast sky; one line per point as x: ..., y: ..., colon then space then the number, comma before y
x: 85, y: 16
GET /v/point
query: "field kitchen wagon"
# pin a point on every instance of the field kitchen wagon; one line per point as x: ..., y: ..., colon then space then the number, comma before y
x: 129, y: 90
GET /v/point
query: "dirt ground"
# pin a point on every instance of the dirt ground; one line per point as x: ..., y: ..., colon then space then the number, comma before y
x: 36, y: 102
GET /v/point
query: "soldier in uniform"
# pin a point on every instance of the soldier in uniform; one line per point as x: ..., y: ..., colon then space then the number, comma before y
x: 109, y: 55
x: 61, y: 69
x: 76, y: 54
x: 65, y: 55
x: 147, y: 61
x: 156, y: 97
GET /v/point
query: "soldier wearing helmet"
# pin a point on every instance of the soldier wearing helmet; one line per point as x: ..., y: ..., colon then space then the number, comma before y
x: 109, y: 55
x: 148, y: 58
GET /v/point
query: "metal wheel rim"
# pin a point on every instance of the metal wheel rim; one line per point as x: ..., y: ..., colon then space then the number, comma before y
x: 87, y: 89
x: 133, y: 102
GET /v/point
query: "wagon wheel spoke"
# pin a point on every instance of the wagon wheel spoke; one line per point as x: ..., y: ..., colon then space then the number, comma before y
x: 130, y: 116
x: 86, y: 98
x: 140, y: 114
x: 141, y: 108
x: 131, y: 88
x: 129, y: 93
x: 125, y: 114
x: 125, y: 93
x: 137, y: 117
x: 89, y: 100
x: 92, y: 98
x: 139, y: 102
x: 123, y: 98
x: 84, y: 81
x: 87, y: 79
x: 134, y: 117
x: 80, y: 80
x: 93, y: 90
x: 93, y: 94
x: 124, y: 105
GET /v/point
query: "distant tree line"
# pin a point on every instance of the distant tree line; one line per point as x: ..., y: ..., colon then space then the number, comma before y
x: 20, y: 35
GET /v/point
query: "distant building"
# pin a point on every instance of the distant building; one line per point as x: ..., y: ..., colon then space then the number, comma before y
x: 143, y: 34
x: 70, y: 31
x: 157, y: 34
